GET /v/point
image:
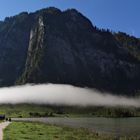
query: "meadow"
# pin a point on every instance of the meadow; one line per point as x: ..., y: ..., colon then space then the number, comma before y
x: 40, y: 131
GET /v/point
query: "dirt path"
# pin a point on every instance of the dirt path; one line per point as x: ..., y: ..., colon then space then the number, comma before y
x: 2, y: 126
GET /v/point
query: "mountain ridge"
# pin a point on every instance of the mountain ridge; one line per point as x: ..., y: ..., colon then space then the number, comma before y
x: 64, y: 47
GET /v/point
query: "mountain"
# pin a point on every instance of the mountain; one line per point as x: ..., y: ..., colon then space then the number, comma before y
x: 54, y: 46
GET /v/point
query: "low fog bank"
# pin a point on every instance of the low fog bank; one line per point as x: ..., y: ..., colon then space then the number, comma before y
x: 62, y: 95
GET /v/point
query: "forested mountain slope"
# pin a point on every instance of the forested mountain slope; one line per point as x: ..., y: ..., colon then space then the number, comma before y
x: 53, y: 46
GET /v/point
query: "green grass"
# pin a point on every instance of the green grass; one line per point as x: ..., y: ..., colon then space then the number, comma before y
x: 40, y: 131
x: 32, y: 110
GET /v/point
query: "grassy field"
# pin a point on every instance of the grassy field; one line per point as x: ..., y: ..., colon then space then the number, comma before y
x: 40, y: 131
x: 25, y: 110
x: 31, y: 110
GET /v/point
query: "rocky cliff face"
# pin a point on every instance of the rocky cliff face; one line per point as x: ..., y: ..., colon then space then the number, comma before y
x: 14, y: 34
x: 51, y: 46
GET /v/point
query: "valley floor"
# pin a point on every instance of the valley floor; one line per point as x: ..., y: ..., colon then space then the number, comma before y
x: 40, y: 131
x: 32, y: 110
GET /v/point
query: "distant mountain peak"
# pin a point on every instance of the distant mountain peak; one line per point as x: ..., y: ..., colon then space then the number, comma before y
x: 54, y: 46
x: 51, y: 10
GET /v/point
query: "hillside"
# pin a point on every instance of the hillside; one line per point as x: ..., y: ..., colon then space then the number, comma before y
x: 54, y: 46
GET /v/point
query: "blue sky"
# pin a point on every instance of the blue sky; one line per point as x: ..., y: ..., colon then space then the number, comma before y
x: 117, y: 15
